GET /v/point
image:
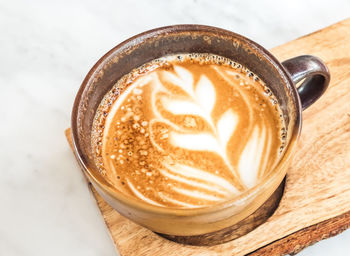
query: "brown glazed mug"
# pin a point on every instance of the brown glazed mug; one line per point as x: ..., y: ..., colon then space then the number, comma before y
x: 281, y: 78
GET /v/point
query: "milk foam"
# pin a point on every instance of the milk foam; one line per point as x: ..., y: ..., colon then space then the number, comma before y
x: 204, y: 149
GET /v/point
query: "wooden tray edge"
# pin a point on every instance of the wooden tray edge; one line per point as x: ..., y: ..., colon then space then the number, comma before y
x: 297, y: 241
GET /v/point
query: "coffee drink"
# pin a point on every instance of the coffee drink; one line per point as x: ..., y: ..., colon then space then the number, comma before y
x: 187, y: 131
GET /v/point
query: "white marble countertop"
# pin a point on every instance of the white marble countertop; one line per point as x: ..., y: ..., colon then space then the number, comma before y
x: 46, y: 48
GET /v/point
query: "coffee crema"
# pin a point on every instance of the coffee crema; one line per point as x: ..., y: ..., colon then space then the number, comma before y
x: 187, y: 131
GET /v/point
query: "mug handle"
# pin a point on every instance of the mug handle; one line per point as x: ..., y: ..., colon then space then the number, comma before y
x: 315, y: 73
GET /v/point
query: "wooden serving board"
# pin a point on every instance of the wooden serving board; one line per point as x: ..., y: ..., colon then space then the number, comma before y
x: 316, y: 201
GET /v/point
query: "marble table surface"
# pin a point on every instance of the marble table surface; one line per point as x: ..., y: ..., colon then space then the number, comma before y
x: 46, y: 48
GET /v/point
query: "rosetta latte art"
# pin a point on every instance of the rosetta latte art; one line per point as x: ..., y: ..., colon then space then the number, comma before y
x: 190, y: 134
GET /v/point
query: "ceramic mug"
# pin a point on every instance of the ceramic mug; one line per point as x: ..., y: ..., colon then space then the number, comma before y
x: 281, y: 78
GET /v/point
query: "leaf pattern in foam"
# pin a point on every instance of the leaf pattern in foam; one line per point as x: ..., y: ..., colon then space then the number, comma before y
x: 200, y: 101
x: 184, y: 79
x: 251, y: 157
x: 181, y: 107
x: 210, y: 178
x: 195, y: 141
x: 226, y: 126
x: 205, y: 94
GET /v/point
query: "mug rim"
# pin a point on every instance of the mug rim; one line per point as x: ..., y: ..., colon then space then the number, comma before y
x: 166, y: 30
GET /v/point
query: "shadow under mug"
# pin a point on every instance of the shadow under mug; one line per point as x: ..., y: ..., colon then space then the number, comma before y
x: 132, y: 53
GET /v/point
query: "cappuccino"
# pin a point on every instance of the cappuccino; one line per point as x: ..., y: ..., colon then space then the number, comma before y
x: 187, y: 131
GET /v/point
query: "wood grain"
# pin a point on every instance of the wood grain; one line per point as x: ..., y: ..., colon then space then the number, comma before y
x: 316, y: 202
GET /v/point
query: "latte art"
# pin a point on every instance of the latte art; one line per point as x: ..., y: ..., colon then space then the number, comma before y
x: 187, y: 131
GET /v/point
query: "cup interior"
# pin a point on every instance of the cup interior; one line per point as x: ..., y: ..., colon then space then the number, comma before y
x: 153, y: 44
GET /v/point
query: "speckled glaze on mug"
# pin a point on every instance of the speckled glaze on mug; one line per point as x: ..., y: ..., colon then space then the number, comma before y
x: 281, y: 78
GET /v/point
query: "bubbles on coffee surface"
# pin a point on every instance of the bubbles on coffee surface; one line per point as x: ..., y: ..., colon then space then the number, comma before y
x: 188, y: 131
